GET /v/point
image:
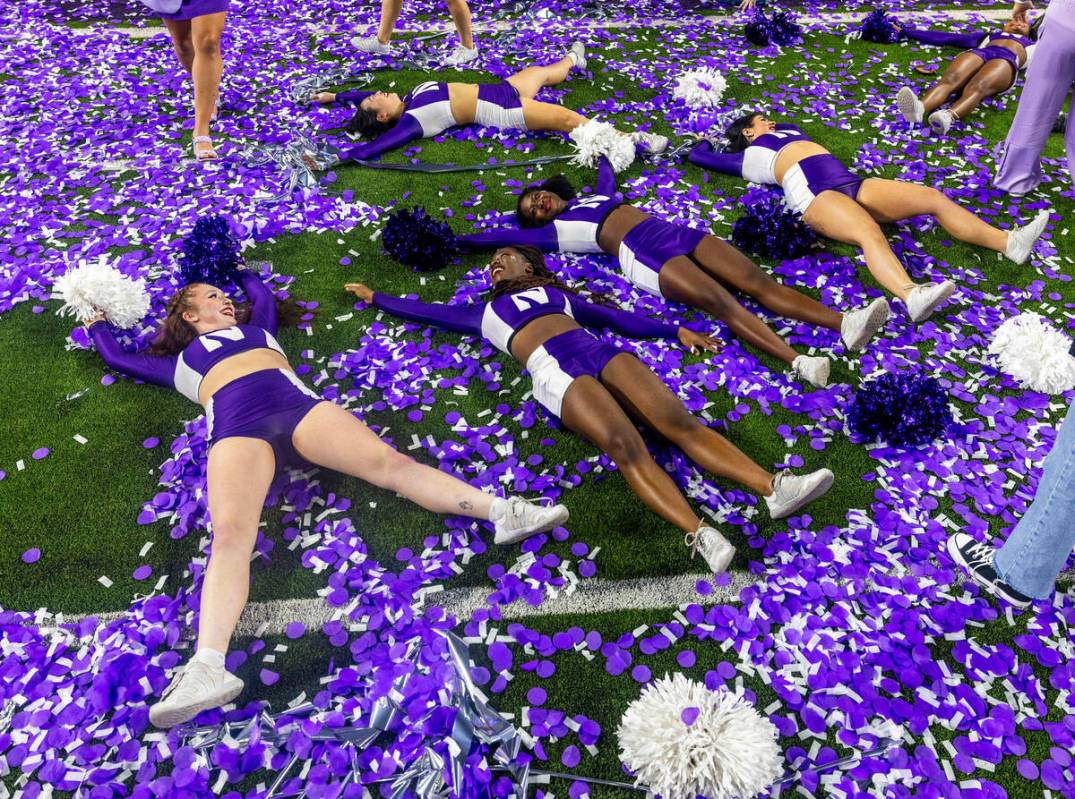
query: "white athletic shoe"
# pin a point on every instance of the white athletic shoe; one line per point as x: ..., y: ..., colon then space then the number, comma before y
x: 195, y: 687
x: 859, y: 326
x: 910, y: 106
x: 371, y: 44
x: 461, y: 55
x: 1021, y: 239
x: 813, y: 369
x: 923, y: 300
x: 793, y: 491
x: 523, y: 519
x: 941, y: 120
x: 578, y: 55
x: 715, y: 549
x: 649, y: 142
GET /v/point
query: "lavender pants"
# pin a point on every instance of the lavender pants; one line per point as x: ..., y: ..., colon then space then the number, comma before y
x: 1049, y: 80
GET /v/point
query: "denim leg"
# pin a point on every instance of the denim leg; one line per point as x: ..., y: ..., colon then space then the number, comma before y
x: 1039, y: 546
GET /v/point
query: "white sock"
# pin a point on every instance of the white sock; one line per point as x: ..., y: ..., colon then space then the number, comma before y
x: 498, y: 509
x: 210, y: 657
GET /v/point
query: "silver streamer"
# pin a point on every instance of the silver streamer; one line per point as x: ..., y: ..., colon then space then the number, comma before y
x: 302, y: 89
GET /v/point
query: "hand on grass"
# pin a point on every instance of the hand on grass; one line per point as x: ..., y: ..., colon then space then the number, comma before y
x: 360, y: 290
x: 692, y: 341
x: 323, y: 97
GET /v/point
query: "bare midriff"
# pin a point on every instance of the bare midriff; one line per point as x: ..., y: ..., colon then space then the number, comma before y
x: 793, y: 153
x: 1010, y: 44
x: 617, y: 225
x: 464, y: 101
x: 239, y: 365
x: 537, y: 331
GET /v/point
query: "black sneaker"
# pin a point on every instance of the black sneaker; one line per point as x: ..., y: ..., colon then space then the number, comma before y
x: 977, y: 559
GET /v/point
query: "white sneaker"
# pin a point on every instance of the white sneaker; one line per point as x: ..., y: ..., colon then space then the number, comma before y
x: 649, y: 142
x: 195, y: 687
x: 923, y: 300
x: 461, y: 55
x: 523, y: 519
x: 859, y: 326
x: 793, y: 491
x: 941, y: 120
x: 1021, y: 239
x: 371, y: 44
x: 813, y: 369
x: 910, y: 106
x: 715, y: 549
x: 578, y: 55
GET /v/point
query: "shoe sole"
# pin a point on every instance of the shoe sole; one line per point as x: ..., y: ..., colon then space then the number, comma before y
x: 166, y: 719
x: 928, y: 311
x: 724, y: 562
x: 521, y: 535
x: 993, y: 588
x: 936, y: 125
x: 874, y: 322
x: 819, y: 490
x: 905, y: 101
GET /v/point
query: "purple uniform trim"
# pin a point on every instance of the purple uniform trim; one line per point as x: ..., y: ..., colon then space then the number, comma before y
x: 196, y: 8
x: 649, y: 245
x: 557, y: 363
x: 267, y: 405
x: 998, y: 53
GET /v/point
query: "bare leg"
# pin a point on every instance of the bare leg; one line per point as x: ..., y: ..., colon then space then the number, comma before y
x: 960, y: 70
x: 892, y: 200
x: 549, y: 116
x: 389, y: 15
x: 993, y: 78
x: 207, y: 68
x: 646, y: 398
x: 839, y: 217
x: 239, y: 472
x: 528, y: 81
x: 179, y: 29
x: 460, y: 12
x: 331, y: 437
x: 682, y: 280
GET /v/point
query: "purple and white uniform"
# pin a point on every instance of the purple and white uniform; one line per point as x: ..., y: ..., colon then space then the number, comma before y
x: 427, y: 111
x: 757, y: 163
x: 979, y: 43
x: 267, y: 404
x: 555, y: 364
x: 644, y: 250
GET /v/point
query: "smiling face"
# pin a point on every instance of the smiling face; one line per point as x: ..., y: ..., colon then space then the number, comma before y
x: 508, y: 264
x: 758, y: 126
x: 208, y: 308
x: 386, y: 106
x: 541, y: 205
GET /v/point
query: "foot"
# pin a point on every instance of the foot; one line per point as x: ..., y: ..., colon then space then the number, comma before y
x: 371, y: 44
x: 461, y: 55
x: 793, y: 491
x: 941, y: 120
x: 1021, y: 240
x: 813, y: 369
x: 520, y: 519
x: 1061, y: 123
x: 923, y: 300
x: 977, y: 559
x: 859, y: 326
x: 195, y: 687
x: 203, y: 148
x: 715, y: 549
x: 910, y: 106
x: 652, y: 143
x: 578, y: 55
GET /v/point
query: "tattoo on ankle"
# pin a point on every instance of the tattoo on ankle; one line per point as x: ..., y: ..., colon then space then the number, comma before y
x: 465, y: 505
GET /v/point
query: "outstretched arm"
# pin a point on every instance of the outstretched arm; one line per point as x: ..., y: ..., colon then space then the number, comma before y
x: 606, y: 177
x: 460, y: 318
x: 703, y: 155
x: 262, y: 301
x: 943, y: 38
x: 544, y: 238
x: 159, y: 370
x: 350, y: 97
x: 629, y: 324
x: 406, y: 130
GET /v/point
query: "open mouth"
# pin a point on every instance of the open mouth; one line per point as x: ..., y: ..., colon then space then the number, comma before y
x: 497, y: 272
x: 229, y: 311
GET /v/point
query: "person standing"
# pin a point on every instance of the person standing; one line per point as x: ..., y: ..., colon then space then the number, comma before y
x: 1049, y: 80
x: 465, y: 52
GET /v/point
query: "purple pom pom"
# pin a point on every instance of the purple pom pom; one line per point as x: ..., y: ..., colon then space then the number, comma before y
x: 418, y: 241
x: 905, y: 410
x: 769, y: 228
x: 878, y: 27
x: 782, y: 28
x: 210, y: 254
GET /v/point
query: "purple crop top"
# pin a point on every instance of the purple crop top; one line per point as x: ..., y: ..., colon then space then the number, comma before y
x: 499, y: 320
x: 575, y: 230
x: 184, y: 372
x: 757, y: 163
x: 427, y: 111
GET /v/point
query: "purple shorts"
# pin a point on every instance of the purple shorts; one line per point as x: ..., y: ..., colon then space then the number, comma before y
x: 995, y: 52
x: 196, y: 8
x: 555, y: 364
x: 499, y: 106
x: 267, y: 405
x: 649, y: 245
x: 817, y: 173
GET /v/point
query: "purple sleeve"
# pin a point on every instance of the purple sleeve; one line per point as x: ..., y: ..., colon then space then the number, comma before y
x: 705, y: 156
x: 619, y: 321
x: 156, y: 369
x: 788, y: 126
x: 352, y: 96
x: 943, y: 38
x: 262, y: 301
x: 606, y: 178
x: 460, y: 318
x: 406, y: 130
x: 544, y: 238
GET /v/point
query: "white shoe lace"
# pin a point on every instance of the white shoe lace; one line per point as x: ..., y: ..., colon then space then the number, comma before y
x: 979, y: 554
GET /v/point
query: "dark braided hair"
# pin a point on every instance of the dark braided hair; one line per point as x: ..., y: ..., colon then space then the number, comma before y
x: 542, y: 276
x: 557, y: 184
x: 737, y: 142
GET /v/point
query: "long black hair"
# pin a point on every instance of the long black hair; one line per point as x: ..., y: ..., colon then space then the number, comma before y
x: 737, y: 142
x: 365, y: 123
x: 557, y: 184
x: 541, y: 276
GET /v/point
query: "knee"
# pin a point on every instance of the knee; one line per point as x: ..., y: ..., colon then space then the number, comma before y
x: 207, y: 44
x: 569, y: 120
x: 870, y: 235
x: 455, y: 6
x: 231, y: 533
x: 184, y: 49
x: 977, y: 88
x: 625, y: 446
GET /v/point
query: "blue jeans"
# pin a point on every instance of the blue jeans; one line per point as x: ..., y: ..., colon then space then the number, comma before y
x: 1038, y: 547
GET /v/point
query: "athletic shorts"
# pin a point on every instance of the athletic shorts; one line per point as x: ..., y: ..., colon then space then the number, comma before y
x: 649, y: 245
x: 813, y: 175
x: 499, y: 106
x: 555, y: 364
x: 996, y: 52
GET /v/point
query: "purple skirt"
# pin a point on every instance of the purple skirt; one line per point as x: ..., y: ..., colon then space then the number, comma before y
x: 197, y: 8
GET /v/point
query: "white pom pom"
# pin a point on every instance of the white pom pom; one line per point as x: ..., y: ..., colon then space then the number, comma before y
x: 700, y: 88
x: 98, y: 287
x: 727, y: 750
x: 594, y: 139
x: 1036, y: 354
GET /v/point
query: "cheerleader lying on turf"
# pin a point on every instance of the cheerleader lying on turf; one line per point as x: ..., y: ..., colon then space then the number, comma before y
x: 679, y: 263
x: 261, y: 418
x: 431, y: 108
x: 600, y: 392
x: 839, y: 204
x: 988, y: 67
